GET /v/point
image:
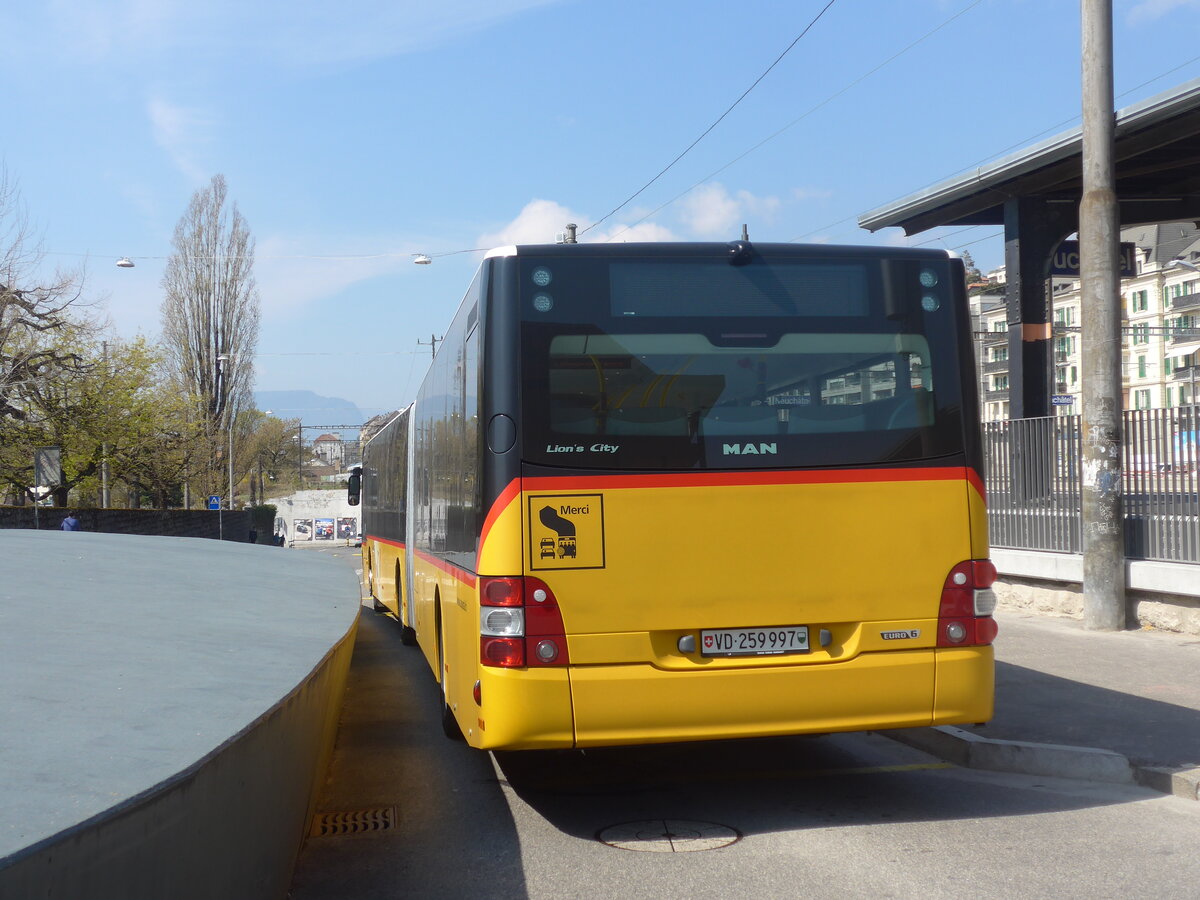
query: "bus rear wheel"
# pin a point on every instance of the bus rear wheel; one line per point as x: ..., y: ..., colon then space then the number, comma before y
x: 449, y: 723
x: 408, y: 635
x: 375, y: 604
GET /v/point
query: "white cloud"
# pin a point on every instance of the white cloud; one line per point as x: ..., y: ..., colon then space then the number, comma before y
x: 290, y: 279
x: 537, y: 223
x: 293, y: 32
x: 711, y: 211
x: 624, y: 234
x: 1151, y: 10
x: 541, y: 221
x: 182, y: 133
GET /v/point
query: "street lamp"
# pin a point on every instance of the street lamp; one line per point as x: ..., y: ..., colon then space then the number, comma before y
x: 221, y: 360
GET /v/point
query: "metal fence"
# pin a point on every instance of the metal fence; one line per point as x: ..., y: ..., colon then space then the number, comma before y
x: 1034, y: 493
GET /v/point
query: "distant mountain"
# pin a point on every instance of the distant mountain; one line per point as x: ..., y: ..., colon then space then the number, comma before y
x: 312, y: 409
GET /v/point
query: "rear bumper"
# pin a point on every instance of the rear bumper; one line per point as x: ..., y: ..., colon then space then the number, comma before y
x: 634, y: 704
x: 594, y: 706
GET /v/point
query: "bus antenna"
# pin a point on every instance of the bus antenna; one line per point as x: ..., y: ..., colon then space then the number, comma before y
x: 741, y: 251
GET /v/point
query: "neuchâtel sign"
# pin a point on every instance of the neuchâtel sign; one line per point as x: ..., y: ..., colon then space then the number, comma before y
x: 1066, y: 260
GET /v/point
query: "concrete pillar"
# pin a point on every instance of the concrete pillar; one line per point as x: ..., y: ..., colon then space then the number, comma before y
x: 1099, y: 235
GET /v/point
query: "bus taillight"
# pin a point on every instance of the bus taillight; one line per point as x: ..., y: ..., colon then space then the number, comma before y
x: 501, y: 592
x: 520, y: 624
x: 507, y: 653
x: 965, y: 616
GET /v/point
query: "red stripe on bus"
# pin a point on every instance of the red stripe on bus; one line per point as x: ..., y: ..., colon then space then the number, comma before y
x: 976, y: 481
x: 468, y: 578
x: 400, y: 544
x: 507, y: 496
x: 733, y: 479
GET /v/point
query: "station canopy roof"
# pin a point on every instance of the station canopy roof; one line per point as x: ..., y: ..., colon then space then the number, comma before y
x: 1157, y: 155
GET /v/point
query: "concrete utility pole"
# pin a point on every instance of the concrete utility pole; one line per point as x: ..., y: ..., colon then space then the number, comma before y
x: 1099, y: 236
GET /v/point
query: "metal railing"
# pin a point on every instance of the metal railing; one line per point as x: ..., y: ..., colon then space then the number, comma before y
x: 1034, y: 469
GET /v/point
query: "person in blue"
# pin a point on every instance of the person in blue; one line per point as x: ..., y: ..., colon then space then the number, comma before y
x: 70, y: 523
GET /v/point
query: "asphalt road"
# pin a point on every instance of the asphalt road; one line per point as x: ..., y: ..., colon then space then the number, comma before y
x: 836, y: 816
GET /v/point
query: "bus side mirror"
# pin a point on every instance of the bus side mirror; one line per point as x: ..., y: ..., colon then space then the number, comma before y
x: 354, y: 486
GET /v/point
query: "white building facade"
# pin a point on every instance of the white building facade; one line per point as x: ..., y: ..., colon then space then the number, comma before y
x: 1160, y: 328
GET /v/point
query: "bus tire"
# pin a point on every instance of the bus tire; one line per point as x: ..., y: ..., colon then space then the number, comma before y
x: 408, y: 634
x: 449, y: 723
x: 375, y: 604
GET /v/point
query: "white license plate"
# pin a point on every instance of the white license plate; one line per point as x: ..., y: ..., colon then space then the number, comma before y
x: 754, y: 641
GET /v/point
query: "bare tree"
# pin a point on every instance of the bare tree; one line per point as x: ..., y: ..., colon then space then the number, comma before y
x: 34, y: 312
x: 210, y: 308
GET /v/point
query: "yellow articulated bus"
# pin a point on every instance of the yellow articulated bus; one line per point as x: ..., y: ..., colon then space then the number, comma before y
x: 672, y: 492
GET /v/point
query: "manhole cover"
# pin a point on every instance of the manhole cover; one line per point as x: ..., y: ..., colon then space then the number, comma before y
x: 359, y: 821
x: 668, y: 836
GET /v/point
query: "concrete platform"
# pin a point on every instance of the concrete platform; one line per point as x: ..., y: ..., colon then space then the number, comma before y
x: 168, y: 706
x: 1104, y: 706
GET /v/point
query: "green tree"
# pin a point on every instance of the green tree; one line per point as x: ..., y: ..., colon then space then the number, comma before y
x: 973, y: 273
x: 39, y: 317
x: 162, y: 440
x: 273, y: 461
x: 115, y: 408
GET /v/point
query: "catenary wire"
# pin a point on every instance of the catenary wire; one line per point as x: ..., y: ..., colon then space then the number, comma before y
x: 795, y: 122
x: 718, y: 121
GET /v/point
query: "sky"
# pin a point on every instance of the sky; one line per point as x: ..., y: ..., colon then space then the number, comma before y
x: 356, y: 135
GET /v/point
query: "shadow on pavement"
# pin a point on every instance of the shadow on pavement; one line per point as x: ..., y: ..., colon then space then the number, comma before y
x: 453, y: 832
x: 776, y: 784
x: 1034, y: 706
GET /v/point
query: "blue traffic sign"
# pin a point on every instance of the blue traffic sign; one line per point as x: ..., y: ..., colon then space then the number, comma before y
x: 1062, y: 399
x: 214, y: 501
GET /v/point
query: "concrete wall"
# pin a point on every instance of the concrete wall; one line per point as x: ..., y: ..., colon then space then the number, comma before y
x: 226, y: 525
x: 169, y: 712
x: 309, y: 506
x: 1158, y: 595
x: 229, y: 827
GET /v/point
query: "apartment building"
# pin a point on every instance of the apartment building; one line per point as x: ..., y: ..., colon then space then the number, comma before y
x: 1160, y: 327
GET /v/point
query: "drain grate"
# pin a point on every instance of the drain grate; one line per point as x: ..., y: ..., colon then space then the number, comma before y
x: 668, y: 836
x: 357, y: 821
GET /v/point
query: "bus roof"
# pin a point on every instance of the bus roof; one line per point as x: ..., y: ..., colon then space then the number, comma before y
x: 713, y: 248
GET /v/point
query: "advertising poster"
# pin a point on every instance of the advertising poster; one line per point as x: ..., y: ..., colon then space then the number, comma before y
x: 347, y: 527
x: 303, y: 529
x: 323, y: 529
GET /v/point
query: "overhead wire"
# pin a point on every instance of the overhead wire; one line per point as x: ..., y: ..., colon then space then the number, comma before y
x: 797, y: 121
x: 735, y: 160
x: 718, y: 121
x: 1052, y: 129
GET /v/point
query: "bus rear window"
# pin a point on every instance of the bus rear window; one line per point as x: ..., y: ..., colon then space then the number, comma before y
x: 789, y: 365
x: 682, y: 385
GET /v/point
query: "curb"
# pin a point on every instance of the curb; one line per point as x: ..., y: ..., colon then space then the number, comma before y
x: 1177, y: 782
x: 1026, y: 758
x: 1057, y: 760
